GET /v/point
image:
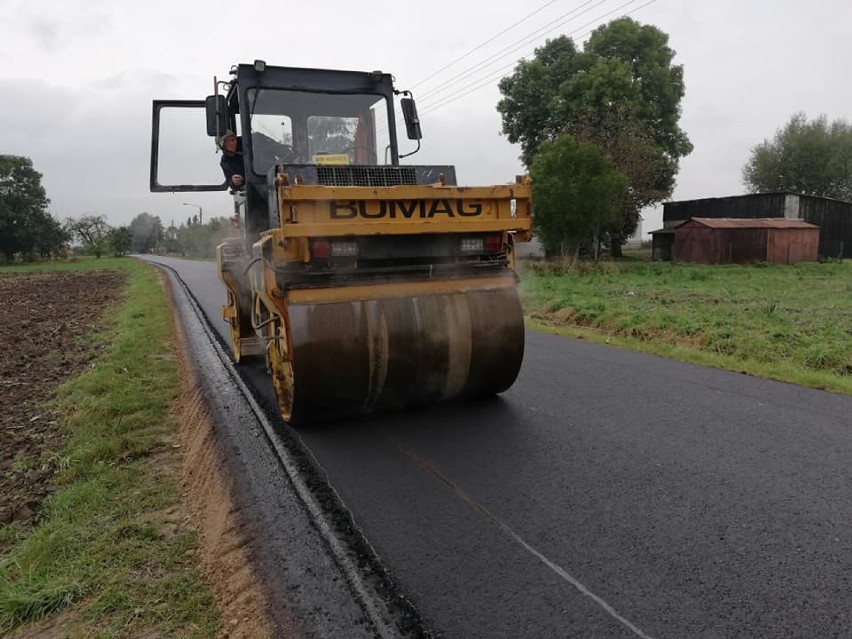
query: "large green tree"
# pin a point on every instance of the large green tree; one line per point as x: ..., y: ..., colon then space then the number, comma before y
x: 577, y: 192
x: 811, y: 157
x: 622, y: 92
x: 26, y: 226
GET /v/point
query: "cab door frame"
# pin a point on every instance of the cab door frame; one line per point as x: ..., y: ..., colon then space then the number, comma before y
x: 156, y: 187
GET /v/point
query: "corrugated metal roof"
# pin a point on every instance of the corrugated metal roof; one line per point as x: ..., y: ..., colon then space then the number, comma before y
x: 754, y: 223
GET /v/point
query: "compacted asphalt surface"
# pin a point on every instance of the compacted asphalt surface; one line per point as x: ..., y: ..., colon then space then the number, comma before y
x: 606, y: 494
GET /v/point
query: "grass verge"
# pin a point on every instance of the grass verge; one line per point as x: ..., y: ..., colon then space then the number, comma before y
x: 112, y: 547
x: 788, y: 323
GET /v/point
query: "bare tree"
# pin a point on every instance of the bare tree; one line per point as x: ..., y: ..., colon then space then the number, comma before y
x: 92, y: 231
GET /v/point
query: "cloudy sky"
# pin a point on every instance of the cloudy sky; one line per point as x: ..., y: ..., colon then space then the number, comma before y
x: 79, y: 77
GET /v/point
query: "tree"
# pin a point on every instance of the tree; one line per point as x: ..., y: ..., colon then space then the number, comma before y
x: 621, y: 92
x: 651, y: 174
x: 529, y: 96
x: 120, y: 240
x: 25, y: 224
x: 576, y: 194
x: 807, y: 157
x: 92, y: 231
x: 52, y: 238
x: 147, y: 232
x: 201, y: 240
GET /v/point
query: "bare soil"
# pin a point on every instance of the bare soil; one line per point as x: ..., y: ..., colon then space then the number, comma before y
x: 44, y: 325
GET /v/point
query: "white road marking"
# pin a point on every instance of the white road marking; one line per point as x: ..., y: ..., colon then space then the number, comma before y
x: 557, y: 569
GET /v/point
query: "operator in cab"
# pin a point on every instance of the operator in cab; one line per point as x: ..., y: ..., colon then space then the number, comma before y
x: 232, y: 160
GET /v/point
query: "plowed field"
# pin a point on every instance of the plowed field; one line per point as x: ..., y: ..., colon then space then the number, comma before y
x: 45, y: 322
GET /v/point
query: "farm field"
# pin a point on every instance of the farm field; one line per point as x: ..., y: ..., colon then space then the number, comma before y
x: 95, y: 536
x: 789, y: 323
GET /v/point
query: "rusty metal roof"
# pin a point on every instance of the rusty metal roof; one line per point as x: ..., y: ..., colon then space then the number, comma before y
x: 753, y: 223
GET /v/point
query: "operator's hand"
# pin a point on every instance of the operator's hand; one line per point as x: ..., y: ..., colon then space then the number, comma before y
x: 237, y: 180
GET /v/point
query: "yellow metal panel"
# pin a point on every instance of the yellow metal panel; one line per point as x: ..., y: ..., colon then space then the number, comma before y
x: 398, y: 289
x: 360, y: 227
x: 420, y: 215
x: 428, y: 208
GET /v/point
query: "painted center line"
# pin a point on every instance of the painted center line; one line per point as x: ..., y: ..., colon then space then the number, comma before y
x: 557, y: 569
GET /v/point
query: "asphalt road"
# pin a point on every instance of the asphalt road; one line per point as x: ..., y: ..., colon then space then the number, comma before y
x: 606, y: 494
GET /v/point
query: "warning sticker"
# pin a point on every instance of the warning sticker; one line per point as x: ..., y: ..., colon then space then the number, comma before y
x: 331, y: 158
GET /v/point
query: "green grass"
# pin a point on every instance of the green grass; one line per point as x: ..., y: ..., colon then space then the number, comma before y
x: 105, y: 548
x: 84, y: 263
x: 790, y: 323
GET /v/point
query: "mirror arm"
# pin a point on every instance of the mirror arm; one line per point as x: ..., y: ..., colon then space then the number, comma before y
x: 405, y: 155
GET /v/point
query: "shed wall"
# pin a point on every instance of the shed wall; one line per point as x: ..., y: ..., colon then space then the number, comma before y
x: 703, y: 245
x: 742, y: 246
x: 740, y: 206
x: 791, y: 246
x: 699, y: 244
x: 696, y: 244
x: 835, y: 221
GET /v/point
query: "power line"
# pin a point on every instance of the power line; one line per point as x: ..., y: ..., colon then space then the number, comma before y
x: 485, y: 81
x: 488, y: 41
x: 482, y: 82
x: 520, y: 43
x: 482, y: 44
x: 485, y: 63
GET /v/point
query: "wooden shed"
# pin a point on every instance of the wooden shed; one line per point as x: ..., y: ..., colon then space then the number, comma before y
x: 833, y: 217
x: 740, y: 241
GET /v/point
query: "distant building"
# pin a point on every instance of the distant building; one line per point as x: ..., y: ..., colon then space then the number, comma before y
x: 740, y: 241
x: 833, y: 217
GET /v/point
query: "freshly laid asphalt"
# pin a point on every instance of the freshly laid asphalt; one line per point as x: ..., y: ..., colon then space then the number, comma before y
x: 606, y: 494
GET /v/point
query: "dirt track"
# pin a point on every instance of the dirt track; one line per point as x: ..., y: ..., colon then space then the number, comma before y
x: 45, y: 318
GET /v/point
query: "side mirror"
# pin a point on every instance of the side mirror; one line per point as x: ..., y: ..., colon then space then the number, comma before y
x: 217, y: 115
x: 412, y: 121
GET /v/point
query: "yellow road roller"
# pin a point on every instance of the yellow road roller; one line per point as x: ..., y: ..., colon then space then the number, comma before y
x: 365, y: 283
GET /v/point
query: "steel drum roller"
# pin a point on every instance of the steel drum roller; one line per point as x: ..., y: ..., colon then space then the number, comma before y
x: 358, y: 356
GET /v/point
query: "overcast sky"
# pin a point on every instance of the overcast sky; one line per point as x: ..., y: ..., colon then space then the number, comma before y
x: 79, y: 77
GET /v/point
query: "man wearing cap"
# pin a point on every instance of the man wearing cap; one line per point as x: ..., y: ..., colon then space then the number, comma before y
x: 232, y: 160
